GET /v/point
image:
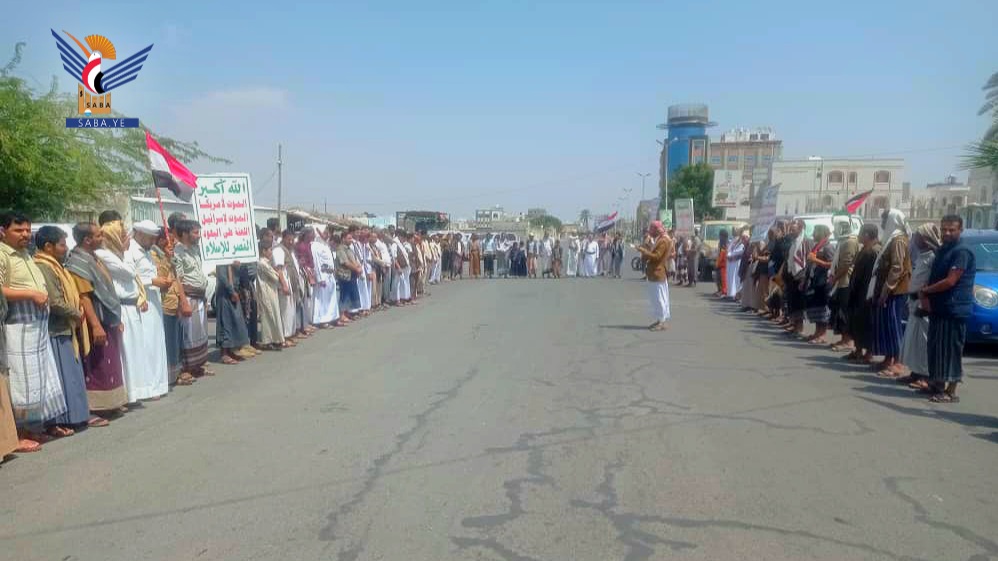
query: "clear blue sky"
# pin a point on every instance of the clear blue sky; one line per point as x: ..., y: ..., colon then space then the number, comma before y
x: 455, y: 105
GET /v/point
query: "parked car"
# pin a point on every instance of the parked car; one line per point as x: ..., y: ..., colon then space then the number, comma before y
x: 983, y: 324
x: 710, y: 233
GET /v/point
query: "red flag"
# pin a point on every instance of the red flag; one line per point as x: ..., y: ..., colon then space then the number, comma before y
x: 853, y: 204
x: 168, y: 172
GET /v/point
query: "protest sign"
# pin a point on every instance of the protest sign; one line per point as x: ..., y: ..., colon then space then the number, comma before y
x: 223, y: 204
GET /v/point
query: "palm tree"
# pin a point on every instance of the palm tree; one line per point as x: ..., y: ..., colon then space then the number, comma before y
x: 990, y: 106
x: 984, y: 154
x: 584, y: 218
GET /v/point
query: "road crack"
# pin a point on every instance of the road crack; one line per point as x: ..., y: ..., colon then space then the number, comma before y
x: 353, y: 548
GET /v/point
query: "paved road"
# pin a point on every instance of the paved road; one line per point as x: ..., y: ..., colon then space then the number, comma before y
x: 520, y: 421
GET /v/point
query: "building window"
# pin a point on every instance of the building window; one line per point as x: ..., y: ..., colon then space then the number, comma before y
x: 835, y: 177
x: 733, y: 160
x: 715, y: 160
x: 852, y: 178
x: 882, y: 176
x: 767, y: 158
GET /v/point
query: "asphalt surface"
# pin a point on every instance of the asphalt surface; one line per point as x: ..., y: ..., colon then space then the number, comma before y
x: 520, y: 421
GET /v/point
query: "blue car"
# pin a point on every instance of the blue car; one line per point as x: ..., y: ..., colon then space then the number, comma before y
x: 983, y: 324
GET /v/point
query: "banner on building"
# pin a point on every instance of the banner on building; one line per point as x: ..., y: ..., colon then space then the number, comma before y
x: 684, y: 216
x: 764, y: 211
x: 730, y: 189
x: 223, y: 204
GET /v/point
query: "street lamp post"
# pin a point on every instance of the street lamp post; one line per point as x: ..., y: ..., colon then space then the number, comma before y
x: 665, y: 149
x: 643, y: 176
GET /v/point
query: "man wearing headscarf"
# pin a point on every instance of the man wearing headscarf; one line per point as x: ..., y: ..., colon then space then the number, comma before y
x: 572, y: 262
x: 794, y: 277
x: 144, y: 370
x: 102, y: 366
x: 888, y: 291
x: 735, y: 254
x: 915, y: 346
x: 656, y: 251
x: 842, y: 265
x: 950, y: 298
x: 591, y: 254
x: 139, y: 257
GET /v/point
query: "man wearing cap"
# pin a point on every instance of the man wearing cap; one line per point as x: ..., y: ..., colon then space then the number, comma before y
x: 656, y: 251
x: 153, y: 376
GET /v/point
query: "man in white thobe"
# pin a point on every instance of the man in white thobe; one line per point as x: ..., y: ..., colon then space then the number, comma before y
x: 544, y: 251
x: 735, y: 255
x: 139, y: 256
x: 326, y: 308
x: 282, y: 260
x: 590, y: 257
x: 572, y: 257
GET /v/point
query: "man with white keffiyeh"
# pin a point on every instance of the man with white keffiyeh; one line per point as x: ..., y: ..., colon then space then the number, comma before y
x: 887, y: 292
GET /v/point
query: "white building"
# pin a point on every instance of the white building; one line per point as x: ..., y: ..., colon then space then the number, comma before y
x: 819, y: 185
x: 945, y: 197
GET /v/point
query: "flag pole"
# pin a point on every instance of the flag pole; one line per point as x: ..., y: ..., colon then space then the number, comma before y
x: 159, y: 198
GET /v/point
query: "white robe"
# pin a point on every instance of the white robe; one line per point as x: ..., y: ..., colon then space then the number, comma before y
x: 282, y: 259
x: 572, y: 263
x: 658, y: 294
x: 362, y: 252
x: 591, y: 259
x: 400, y: 285
x: 544, y: 254
x: 326, y: 306
x: 734, y: 263
x: 143, y: 342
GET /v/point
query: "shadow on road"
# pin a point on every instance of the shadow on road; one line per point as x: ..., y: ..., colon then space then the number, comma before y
x: 970, y: 420
x: 626, y: 327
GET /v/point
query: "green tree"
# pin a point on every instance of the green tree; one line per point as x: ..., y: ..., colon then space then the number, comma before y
x: 546, y: 222
x: 693, y: 182
x: 46, y: 168
x: 984, y: 154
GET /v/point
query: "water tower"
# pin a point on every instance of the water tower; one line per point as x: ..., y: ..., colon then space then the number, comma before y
x: 686, y: 141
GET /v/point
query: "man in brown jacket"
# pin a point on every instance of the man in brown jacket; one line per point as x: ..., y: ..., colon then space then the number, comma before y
x: 656, y: 251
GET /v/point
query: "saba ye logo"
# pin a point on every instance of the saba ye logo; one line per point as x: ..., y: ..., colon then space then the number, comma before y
x: 95, y: 83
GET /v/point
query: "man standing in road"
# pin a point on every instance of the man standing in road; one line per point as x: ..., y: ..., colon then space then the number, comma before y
x: 950, y: 299
x: 656, y: 251
x: 544, y: 252
x: 532, y: 249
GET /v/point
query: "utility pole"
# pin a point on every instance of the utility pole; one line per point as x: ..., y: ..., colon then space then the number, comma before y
x: 280, y: 186
x: 325, y: 206
x: 643, y: 176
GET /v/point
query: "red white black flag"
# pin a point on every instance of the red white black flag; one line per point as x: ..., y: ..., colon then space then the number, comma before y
x: 168, y: 172
x: 853, y: 204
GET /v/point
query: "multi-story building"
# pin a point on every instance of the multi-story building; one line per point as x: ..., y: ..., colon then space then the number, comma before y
x: 750, y: 153
x: 944, y: 197
x: 819, y: 185
x: 686, y: 141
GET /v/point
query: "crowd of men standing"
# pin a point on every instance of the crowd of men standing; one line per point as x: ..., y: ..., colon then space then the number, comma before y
x: 495, y: 256
x: 887, y: 292
x: 123, y: 316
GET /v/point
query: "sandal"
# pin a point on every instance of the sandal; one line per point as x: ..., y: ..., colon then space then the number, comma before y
x: 229, y: 360
x: 919, y: 385
x: 95, y: 421
x: 59, y: 432
x: 943, y: 397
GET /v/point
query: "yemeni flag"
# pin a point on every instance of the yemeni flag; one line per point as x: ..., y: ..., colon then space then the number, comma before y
x: 168, y: 172
x: 853, y: 204
x: 607, y: 223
